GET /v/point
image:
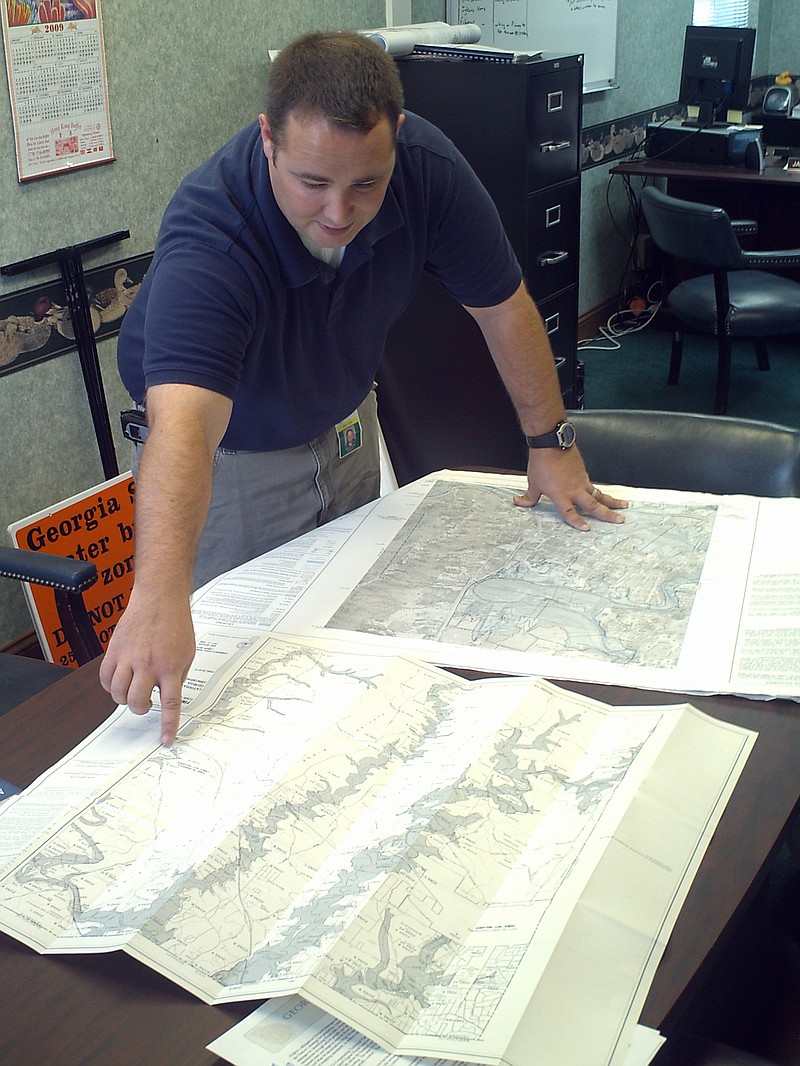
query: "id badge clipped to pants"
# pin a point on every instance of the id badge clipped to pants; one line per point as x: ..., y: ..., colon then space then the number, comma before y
x: 348, y: 433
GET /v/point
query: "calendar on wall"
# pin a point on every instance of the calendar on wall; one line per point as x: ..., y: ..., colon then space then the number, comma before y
x: 55, y: 61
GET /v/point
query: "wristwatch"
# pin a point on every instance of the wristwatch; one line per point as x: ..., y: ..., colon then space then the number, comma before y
x: 563, y: 437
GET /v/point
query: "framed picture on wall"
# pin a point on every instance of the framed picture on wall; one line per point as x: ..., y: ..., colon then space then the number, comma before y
x: 55, y: 60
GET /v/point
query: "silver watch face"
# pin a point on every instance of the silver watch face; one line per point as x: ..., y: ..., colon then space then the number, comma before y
x: 565, y: 434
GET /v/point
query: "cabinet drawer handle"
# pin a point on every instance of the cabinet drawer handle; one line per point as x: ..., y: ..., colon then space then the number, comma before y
x: 554, y: 146
x: 548, y: 259
x: 552, y: 324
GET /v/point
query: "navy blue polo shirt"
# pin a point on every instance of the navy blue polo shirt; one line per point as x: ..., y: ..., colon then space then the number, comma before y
x: 235, y: 303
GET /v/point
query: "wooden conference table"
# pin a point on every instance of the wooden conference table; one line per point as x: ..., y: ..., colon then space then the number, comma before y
x: 110, y: 1010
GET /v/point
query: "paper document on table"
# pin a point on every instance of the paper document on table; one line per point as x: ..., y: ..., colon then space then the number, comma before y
x: 434, y: 861
x: 291, y: 1029
x: 692, y: 593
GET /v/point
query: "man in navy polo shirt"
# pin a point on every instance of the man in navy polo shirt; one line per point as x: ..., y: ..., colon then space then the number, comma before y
x: 280, y: 265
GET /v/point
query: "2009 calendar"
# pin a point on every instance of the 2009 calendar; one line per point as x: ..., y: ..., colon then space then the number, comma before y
x: 55, y: 61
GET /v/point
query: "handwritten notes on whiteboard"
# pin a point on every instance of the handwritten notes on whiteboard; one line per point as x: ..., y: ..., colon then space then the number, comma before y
x: 568, y: 26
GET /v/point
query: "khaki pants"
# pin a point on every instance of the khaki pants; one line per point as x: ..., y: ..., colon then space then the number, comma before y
x: 262, y: 499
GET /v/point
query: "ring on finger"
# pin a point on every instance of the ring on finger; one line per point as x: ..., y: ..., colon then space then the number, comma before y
x: 595, y: 492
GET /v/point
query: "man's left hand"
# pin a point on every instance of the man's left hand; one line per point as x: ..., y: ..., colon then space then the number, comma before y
x: 561, y: 476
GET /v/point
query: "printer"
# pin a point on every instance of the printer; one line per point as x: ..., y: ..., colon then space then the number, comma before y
x: 721, y: 145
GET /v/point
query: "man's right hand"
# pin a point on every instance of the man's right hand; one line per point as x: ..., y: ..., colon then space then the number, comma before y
x: 151, y: 647
x: 153, y: 644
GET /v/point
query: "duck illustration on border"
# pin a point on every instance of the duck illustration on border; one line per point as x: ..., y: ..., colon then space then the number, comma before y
x: 25, y: 333
x: 111, y: 304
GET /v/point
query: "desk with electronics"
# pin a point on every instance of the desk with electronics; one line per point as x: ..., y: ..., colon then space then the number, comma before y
x: 748, y: 168
x: 770, y: 197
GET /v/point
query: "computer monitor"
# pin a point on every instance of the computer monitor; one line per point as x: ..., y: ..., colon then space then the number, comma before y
x: 715, y: 76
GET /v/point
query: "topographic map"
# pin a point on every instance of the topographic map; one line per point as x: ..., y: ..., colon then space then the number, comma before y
x: 691, y: 593
x: 468, y: 569
x: 401, y: 846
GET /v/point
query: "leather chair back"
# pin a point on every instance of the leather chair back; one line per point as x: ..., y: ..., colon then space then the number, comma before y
x: 689, y: 452
x: 697, y: 232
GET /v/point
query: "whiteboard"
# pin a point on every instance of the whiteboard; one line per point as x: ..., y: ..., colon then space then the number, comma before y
x: 570, y: 26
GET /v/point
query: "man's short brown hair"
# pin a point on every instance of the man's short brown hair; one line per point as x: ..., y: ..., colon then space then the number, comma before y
x: 344, y: 77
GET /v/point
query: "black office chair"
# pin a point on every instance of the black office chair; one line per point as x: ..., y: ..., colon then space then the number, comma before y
x: 739, y: 299
x: 689, y: 452
x: 22, y: 677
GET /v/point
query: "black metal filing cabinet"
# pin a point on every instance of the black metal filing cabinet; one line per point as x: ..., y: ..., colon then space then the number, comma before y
x: 441, y: 401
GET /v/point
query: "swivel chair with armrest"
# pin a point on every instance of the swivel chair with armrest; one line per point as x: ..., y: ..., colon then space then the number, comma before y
x: 738, y: 299
x: 21, y: 677
x: 689, y: 452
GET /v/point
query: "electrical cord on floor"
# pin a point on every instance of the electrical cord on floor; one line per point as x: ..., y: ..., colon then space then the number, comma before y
x: 623, y: 323
x: 636, y: 311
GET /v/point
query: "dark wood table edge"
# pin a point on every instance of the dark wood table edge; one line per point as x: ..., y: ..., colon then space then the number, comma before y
x: 648, y: 167
x: 735, y: 847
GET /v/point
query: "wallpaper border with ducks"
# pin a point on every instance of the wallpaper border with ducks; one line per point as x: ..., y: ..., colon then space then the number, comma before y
x: 608, y: 142
x: 35, y: 322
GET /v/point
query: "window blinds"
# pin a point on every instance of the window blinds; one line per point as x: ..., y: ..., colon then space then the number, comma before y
x: 720, y: 12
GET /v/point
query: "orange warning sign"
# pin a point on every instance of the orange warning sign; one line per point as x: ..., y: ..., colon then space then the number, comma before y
x: 96, y: 525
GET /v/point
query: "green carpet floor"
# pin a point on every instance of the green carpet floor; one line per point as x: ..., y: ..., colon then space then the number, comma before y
x: 635, y: 376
